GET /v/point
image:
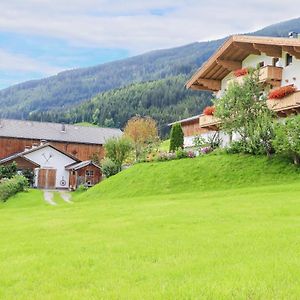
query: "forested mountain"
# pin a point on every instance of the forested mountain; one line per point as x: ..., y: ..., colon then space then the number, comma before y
x: 70, y: 88
x: 165, y: 100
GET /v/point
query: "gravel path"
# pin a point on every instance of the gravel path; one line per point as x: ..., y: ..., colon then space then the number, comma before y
x: 48, y: 197
x: 66, y: 196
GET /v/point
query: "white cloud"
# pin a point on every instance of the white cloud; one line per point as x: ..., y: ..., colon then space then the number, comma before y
x: 14, y: 62
x: 129, y: 25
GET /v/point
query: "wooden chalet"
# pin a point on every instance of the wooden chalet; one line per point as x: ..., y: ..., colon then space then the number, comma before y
x: 278, y: 60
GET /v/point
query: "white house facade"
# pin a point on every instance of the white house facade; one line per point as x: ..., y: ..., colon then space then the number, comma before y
x: 278, y: 64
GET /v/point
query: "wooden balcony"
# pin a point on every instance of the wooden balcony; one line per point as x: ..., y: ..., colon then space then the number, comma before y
x: 271, y: 75
x: 287, y: 105
x: 209, y: 122
x: 268, y: 74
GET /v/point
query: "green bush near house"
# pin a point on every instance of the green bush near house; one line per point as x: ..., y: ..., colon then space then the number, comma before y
x: 12, y: 186
x: 287, y: 138
x: 176, y: 137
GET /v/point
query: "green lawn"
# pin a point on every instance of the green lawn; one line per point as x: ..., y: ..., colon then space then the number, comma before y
x: 217, y: 227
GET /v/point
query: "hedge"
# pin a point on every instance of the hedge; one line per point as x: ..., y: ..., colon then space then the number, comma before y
x: 10, y: 187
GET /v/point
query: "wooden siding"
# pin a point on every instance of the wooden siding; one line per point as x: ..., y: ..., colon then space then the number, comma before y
x: 192, y: 128
x: 10, y: 146
x: 22, y: 164
x: 79, y: 177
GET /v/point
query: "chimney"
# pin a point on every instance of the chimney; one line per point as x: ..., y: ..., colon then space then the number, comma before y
x: 293, y: 35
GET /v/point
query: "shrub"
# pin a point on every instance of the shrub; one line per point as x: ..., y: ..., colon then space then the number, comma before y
x: 176, y: 137
x: 209, y: 110
x: 8, y: 171
x: 287, y: 138
x: 206, y: 150
x: 236, y: 147
x: 109, y: 167
x: 163, y: 156
x: 282, y: 92
x: 180, y: 153
x: 12, y: 186
x: 191, y: 154
x: 29, y: 174
x: 241, y: 72
x: 82, y: 188
x: 118, y: 150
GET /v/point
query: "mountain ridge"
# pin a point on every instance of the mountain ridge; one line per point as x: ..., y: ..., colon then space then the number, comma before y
x: 71, y: 88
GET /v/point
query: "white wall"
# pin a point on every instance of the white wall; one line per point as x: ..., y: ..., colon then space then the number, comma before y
x: 189, y: 140
x: 50, y: 158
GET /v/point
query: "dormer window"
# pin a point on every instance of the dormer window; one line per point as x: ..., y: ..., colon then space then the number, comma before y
x: 288, y: 59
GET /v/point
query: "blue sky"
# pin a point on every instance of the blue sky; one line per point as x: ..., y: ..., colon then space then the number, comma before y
x: 40, y: 38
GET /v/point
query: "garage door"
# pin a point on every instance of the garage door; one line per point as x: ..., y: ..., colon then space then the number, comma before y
x: 47, y: 178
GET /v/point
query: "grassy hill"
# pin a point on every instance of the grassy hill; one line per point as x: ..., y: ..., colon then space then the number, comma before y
x: 215, y: 227
x: 73, y: 87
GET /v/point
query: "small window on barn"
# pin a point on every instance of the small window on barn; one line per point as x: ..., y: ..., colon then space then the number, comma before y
x: 288, y: 59
x: 73, y: 172
x: 89, y: 173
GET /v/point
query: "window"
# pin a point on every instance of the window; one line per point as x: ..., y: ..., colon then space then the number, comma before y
x: 288, y: 59
x: 89, y: 173
x: 261, y: 64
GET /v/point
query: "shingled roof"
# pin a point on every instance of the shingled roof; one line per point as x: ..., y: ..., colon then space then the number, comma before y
x: 56, y: 132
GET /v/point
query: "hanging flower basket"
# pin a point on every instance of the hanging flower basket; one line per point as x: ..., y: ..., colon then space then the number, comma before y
x: 209, y: 110
x: 282, y: 92
x: 241, y: 72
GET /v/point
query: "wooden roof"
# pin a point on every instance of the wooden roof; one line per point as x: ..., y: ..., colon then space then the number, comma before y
x: 230, y: 55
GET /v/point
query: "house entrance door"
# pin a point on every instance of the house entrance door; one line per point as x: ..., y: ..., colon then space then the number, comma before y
x: 47, y: 179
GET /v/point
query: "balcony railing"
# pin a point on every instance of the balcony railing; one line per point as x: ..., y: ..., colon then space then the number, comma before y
x: 209, y: 122
x: 268, y: 74
x: 286, y: 105
x: 271, y: 75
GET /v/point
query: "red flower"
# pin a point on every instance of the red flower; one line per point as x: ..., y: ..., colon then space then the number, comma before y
x: 240, y: 72
x: 209, y: 110
x: 282, y: 92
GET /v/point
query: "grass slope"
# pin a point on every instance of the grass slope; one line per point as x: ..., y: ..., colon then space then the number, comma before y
x: 209, y: 173
x: 227, y: 241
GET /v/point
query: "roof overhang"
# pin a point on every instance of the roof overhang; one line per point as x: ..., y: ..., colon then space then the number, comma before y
x: 230, y: 55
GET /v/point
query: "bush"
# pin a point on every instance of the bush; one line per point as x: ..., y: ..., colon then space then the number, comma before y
x: 8, y: 171
x: 118, y: 150
x: 163, y: 156
x: 109, y: 168
x: 287, y: 138
x: 236, y: 147
x: 10, y: 187
x: 180, y: 153
x: 82, y: 188
x: 176, y: 137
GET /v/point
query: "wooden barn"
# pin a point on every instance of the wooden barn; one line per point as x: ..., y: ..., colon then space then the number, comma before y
x: 81, y: 142
x: 61, y: 156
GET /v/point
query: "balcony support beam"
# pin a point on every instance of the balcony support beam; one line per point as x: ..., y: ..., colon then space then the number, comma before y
x: 246, y: 47
x: 269, y: 50
x: 230, y: 65
x: 211, y: 84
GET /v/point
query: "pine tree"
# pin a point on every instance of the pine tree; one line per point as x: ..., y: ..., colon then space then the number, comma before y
x: 176, y: 137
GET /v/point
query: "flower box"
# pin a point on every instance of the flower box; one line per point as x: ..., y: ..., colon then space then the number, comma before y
x: 209, y: 110
x: 282, y: 92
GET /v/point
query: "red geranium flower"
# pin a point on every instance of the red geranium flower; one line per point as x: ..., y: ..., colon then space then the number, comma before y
x: 282, y: 92
x: 209, y: 110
